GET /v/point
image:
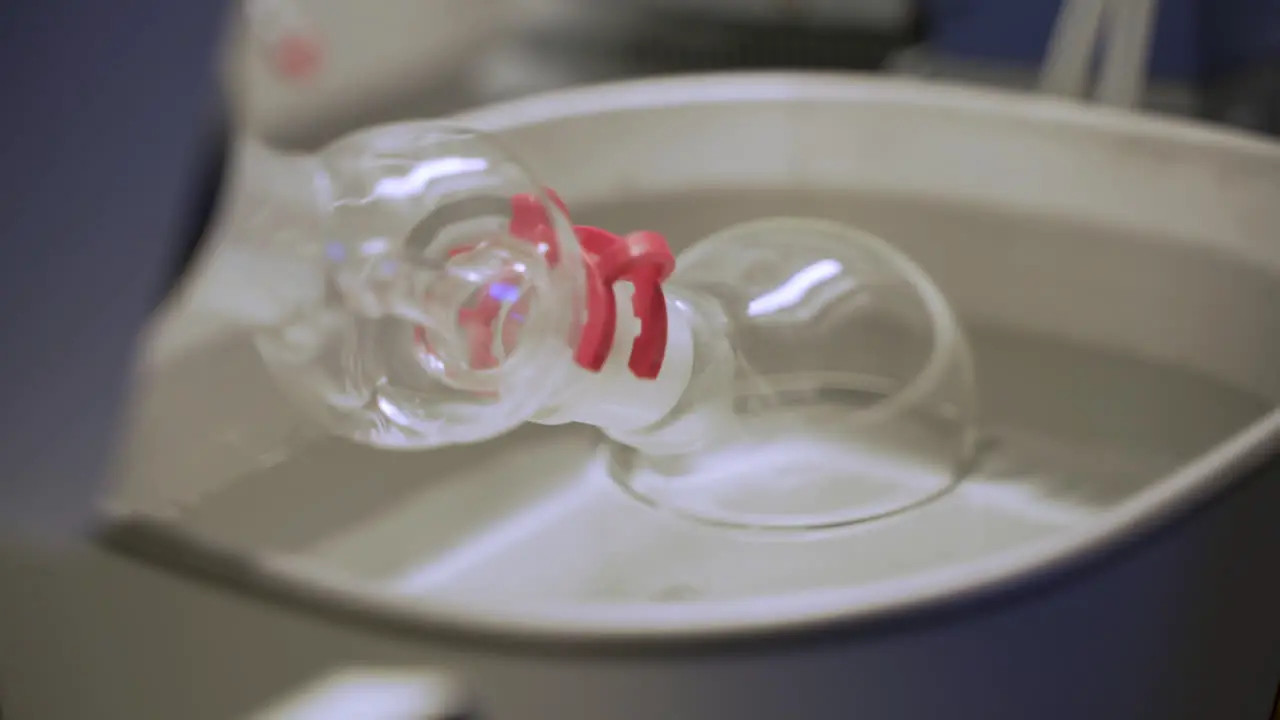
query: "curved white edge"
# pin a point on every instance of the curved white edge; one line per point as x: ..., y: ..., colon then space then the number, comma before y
x: 729, y: 87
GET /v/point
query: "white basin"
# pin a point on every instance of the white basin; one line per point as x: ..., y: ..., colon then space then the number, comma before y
x: 1120, y: 342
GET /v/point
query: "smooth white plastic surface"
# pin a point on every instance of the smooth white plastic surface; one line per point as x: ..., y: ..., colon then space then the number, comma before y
x: 614, y: 398
x: 368, y: 60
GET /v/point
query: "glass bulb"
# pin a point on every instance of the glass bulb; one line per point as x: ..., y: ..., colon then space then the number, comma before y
x: 834, y: 384
x: 412, y: 284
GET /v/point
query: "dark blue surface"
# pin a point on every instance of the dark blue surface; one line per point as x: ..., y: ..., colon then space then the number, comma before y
x: 1195, y: 39
x: 106, y: 115
x: 1239, y: 33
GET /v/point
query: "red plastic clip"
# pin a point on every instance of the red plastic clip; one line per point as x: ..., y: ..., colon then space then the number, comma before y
x: 641, y: 258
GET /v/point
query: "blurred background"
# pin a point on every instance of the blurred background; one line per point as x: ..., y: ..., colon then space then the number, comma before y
x: 307, y: 70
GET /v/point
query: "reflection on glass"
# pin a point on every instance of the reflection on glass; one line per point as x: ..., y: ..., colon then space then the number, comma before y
x: 793, y: 291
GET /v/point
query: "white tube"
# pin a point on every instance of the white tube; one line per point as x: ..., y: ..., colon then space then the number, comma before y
x: 1069, y: 57
x: 1122, y: 80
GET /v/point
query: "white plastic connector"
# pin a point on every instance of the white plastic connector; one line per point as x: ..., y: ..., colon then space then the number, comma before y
x: 614, y: 399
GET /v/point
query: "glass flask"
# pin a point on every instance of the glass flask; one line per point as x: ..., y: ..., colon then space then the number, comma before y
x: 374, y: 272
x: 415, y: 286
x: 832, y: 384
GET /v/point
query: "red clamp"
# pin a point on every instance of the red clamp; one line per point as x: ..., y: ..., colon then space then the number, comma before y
x: 641, y: 258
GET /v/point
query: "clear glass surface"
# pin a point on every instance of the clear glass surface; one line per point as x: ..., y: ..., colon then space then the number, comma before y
x: 832, y: 384
x: 412, y: 284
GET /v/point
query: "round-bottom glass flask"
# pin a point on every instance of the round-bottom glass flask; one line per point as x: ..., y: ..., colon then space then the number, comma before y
x: 832, y: 384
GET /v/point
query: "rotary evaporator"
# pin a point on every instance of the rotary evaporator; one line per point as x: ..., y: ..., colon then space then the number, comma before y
x: 416, y: 287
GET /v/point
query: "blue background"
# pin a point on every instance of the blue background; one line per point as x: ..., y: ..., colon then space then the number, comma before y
x: 1195, y: 39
